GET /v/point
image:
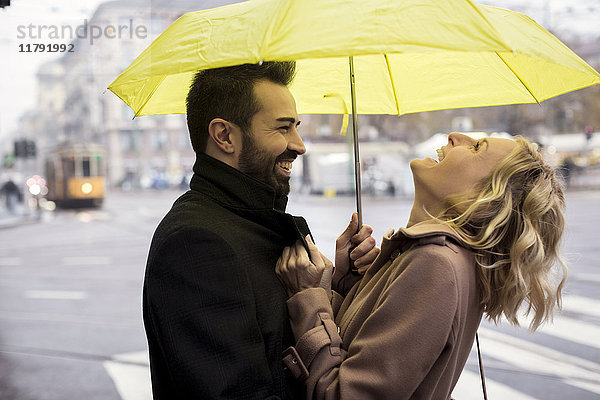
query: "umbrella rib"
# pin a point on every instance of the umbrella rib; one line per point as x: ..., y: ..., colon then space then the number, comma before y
x: 518, y: 77
x: 387, y: 62
x: 150, y: 96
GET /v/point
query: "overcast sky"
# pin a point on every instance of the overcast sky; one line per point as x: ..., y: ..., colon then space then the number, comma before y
x: 17, y: 70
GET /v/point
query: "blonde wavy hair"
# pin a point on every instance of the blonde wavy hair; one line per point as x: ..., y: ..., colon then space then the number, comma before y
x: 514, y: 220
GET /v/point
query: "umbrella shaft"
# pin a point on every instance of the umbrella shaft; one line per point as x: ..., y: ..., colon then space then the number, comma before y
x: 355, y: 144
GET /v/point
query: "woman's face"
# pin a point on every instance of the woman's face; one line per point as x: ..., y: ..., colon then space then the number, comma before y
x: 462, y: 163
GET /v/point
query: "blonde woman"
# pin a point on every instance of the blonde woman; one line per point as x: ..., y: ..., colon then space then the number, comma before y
x: 482, y: 238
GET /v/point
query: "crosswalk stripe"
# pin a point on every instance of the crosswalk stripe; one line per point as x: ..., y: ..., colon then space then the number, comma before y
x: 569, y: 328
x: 536, y: 358
x: 573, y: 330
x: 585, y: 385
x: 581, y: 305
x: 132, y: 381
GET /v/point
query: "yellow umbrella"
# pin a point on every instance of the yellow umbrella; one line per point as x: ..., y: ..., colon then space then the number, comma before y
x: 403, y: 56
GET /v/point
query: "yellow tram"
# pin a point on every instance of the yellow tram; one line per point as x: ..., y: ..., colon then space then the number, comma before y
x: 76, y: 175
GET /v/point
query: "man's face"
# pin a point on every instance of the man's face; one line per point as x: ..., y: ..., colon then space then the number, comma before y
x: 273, y: 143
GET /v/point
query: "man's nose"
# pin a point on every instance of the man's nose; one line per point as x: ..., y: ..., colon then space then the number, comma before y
x: 295, y: 142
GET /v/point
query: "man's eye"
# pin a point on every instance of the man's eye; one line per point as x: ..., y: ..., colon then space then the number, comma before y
x: 285, y: 128
x: 476, y: 146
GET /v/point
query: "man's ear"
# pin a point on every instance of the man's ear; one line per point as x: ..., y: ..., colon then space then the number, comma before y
x: 221, y: 136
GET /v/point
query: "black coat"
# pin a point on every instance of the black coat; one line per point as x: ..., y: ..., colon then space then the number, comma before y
x: 214, y: 310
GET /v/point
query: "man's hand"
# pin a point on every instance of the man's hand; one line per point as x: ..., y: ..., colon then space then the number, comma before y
x: 297, y: 272
x: 355, y: 245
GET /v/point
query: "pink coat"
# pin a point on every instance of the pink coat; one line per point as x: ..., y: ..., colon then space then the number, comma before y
x: 403, y: 332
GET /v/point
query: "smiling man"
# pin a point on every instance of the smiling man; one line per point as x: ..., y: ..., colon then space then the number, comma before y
x: 269, y: 152
x: 214, y: 310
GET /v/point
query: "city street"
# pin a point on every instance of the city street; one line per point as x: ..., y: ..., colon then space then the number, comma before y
x: 70, y: 303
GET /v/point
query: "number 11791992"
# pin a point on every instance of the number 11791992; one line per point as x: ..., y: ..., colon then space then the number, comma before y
x: 48, y: 48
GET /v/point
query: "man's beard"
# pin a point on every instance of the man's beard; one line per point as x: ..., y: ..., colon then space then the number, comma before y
x: 260, y: 165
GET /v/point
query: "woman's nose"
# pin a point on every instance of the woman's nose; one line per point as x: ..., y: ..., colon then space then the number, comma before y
x: 456, y: 139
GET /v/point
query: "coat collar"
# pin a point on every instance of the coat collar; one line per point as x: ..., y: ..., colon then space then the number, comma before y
x: 422, y: 233
x: 421, y: 230
x: 233, y: 188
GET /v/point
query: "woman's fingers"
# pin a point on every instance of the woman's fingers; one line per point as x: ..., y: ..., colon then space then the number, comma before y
x: 345, y: 238
x: 281, y: 266
x: 364, y: 232
x: 326, y: 277
x: 368, y: 257
x: 296, y: 270
x: 326, y: 261
x: 363, y: 248
x: 302, y: 259
x: 315, y: 254
x: 363, y: 263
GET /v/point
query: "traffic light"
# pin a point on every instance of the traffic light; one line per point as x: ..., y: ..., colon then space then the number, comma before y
x: 589, y: 131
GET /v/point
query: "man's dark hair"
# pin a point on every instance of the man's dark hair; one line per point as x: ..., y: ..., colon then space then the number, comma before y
x: 228, y: 93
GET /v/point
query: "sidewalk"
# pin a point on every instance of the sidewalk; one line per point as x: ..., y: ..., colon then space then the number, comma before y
x: 19, y: 216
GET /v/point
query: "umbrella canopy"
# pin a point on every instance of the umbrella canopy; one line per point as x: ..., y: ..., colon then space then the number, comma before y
x: 409, y: 55
x: 537, y: 67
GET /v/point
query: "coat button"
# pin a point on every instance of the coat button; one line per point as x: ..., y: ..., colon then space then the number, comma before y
x: 395, y: 254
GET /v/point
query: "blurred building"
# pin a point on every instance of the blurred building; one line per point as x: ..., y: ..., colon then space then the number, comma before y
x: 50, y: 118
x: 75, y: 106
x: 590, y: 52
